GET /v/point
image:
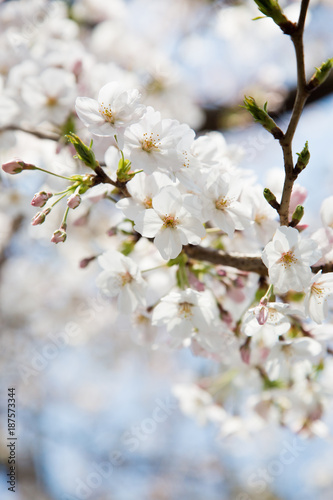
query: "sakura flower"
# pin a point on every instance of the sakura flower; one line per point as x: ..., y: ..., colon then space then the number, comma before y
x: 50, y: 95
x: 276, y: 323
x: 151, y: 144
x: 263, y: 215
x: 184, y: 311
x: 169, y: 223
x: 316, y: 298
x: 121, y: 277
x: 142, y: 189
x: 288, y: 258
x: 221, y: 205
x: 115, y: 109
x: 284, y: 353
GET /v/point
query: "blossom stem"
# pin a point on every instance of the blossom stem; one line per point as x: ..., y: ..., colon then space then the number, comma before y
x: 153, y: 268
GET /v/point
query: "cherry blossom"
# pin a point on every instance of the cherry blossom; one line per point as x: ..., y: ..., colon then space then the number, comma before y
x: 121, y: 277
x: 115, y: 109
x: 288, y: 258
x: 316, y: 298
x: 221, y: 205
x: 171, y: 225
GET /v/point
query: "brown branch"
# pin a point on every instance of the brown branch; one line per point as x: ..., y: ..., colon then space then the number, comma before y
x: 249, y: 263
x: 301, y: 97
x: 242, y: 262
x: 52, y: 136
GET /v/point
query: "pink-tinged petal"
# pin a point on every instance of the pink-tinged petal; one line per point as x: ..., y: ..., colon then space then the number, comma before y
x: 168, y: 243
x: 148, y: 223
x: 168, y: 201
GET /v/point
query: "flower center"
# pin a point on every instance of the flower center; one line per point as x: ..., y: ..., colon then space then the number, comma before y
x: 51, y: 101
x: 170, y: 221
x: 148, y: 202
x: 222, y: 203
x: 317, y: 289
x: 259, y: 218
x: 149, y: 143
x: 107, y: 113
x: 287, y: 258
x: 126, y: 278
x: 185, y: 310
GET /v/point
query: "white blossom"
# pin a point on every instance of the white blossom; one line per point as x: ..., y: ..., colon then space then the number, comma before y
x: 316, y: 298
x: 121, y: 277
x: 115, y: 109
x: 288, y: 258
x: 169, y: 223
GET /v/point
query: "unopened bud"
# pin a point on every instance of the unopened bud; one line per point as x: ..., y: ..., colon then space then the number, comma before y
x: 85, y: 262
x: 297, y: 216
x: 124, y: 173
x: 245, y: 351
x: 271, y: 199
x: 16, y: 166
x: 40, y: 217
x: 40, y: 199
x: 303, y: 159
x: 272, y: 9
x: 261, y: 313
x: 261, y: 116
x: 84, y: 152
x: 320, y: 75
x: 74, y: 201
x: 59, y: 236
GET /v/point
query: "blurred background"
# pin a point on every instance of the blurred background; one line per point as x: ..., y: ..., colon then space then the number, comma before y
x: 89, y: 384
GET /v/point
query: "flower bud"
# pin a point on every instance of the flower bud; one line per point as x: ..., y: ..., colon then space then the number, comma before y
x: 271, y: 199
x: 40, y: 199
x: 271, y: 8
x: 320, y: 75
x: 303, y: 159
x: 16, y: 166
x: 40, y: 217
x: 59, y: 236
x: 297, y: 216
x: 74, y: 201
x: 260, y: 115
x: 85, y: 262
x: 245, y: 351
x: 84, y: 152
x: 261, y: 313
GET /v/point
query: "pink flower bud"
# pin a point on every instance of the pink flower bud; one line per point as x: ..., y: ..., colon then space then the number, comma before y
x: 245, y: 352
x: 59, y: 236
x: 40, y: 199
x: 16, y: 166
x: 74, y: 201
x: 261, y: 313
x: 85, y: 262
x: 40, y: 217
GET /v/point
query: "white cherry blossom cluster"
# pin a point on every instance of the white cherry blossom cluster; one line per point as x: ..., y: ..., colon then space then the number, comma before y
x: 185, y: 214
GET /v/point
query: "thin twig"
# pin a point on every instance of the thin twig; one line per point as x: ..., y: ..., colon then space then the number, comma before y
x: 301, y: 97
